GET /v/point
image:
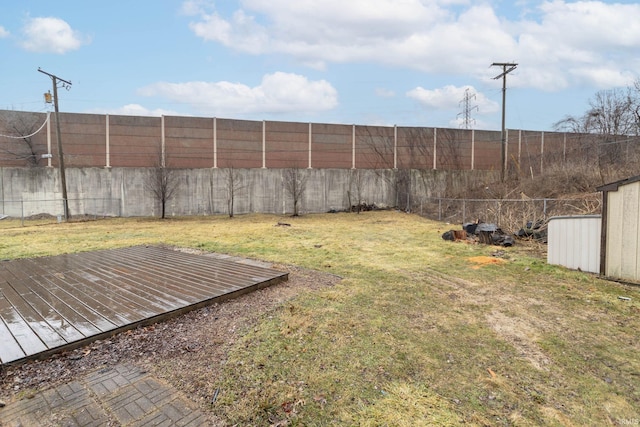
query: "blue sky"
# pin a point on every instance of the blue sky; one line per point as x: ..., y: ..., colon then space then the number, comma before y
x: 384, y: 62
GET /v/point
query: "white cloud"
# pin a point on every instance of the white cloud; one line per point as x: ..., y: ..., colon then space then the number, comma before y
x: 242, y: 32
x: 557, y: 44
x: 194, y: 7
x: 419, y: 34
x: 134, y: 110
x: 51, y: 35
x: 3, y: 32
x: 587, y: 42
x: 277, y: 93
x: 450, y: 97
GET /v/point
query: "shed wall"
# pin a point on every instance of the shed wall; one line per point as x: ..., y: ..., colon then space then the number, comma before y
x: 574, y: 242
x: 623, y: 232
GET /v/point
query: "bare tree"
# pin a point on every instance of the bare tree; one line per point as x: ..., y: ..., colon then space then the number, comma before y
x: 379, y: 147
x: 415, y: 152
x: 450, y: 144
x: 234, y: 184
x: 381, y: 151
x: 611, y: 113
x: 162, y: 182
x: 21, y: 146
x: 357, y: 182
x: 613, y: 117
x: 295, y: 183
x: 419, y: 146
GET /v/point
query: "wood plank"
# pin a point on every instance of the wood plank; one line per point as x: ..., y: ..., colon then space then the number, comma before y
x: 28, y: 340
x: 206, y: 264
x: 64, y: 312
x: 148, y: 273
x: 222, y: 275
x: 107, y: 271
x: 47, y: 312
x: 95, y: 302
x: 117, y: 293
x: 10, y: 349
x: 78, y: 306
x: 168, y: 281
x: 143, y: 293
x: 35, y: 321
x: 16, y: 268
x: 34, y: 267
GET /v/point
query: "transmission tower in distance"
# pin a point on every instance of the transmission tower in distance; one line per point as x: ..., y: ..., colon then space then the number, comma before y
x: 467, y: 122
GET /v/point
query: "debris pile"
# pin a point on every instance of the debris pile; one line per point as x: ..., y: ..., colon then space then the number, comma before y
x: 482, y: 232
x: 534, y: 230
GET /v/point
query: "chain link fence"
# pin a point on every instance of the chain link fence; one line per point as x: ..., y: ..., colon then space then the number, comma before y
x: 509, y: 214
x: 25, y: 212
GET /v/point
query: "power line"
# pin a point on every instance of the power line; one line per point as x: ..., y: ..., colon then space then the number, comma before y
x: 28, y: 136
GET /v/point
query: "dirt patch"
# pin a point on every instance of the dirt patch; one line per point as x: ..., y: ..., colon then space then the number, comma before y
x: 480, y: 261
x: 188, y: 351
x: 520, y: 334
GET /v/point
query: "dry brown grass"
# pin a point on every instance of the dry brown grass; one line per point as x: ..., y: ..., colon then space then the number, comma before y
x: 412, y: 335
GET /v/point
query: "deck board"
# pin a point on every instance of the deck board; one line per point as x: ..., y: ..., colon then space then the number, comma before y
x: 10, y: 346
x: 64, y: 312
x: 48, y: 335
x: 54, y: 304
x: 26, y: 338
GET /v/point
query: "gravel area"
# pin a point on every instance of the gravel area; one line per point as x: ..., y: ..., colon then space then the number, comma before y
x: 188, y: 351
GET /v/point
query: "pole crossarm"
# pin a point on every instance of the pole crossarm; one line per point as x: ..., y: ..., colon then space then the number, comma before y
x: 512, y: 66
x: 54, y: 77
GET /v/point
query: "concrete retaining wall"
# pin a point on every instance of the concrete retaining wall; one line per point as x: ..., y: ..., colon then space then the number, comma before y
x: 126, y: 191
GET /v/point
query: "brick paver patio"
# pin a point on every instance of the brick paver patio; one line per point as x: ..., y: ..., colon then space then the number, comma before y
x: 123, y: 395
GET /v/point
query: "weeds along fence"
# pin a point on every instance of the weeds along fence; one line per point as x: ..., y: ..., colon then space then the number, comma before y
x: 49, y: 211
x: 509, y: 214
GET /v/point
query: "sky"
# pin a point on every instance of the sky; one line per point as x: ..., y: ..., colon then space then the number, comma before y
x: 366, y: 62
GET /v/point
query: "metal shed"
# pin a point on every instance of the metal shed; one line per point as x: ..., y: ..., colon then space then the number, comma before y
x: 620, y: 238
x: 574, y: 242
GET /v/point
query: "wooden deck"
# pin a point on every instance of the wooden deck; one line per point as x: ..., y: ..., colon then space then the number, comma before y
x: 53, y: 304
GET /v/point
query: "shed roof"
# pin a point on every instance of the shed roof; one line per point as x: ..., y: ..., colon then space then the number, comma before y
x: 615, y: 185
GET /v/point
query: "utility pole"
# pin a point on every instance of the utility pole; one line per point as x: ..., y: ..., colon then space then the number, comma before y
x: 63, y: 179
x: 467, y: 121
x: 507, y: 67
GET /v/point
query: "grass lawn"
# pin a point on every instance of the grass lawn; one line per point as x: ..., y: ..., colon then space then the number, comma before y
x: 420, y: 331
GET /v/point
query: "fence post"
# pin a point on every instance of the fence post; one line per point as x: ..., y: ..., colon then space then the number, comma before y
x: 264, y: 144
x: 353, y: 146
x: 395, y: 147
x: 310, y: 141
x: 22, y: 212
x: 215, y: 142
x: 439, y: 209
x: 435, y: 148
x: 464, y: 210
